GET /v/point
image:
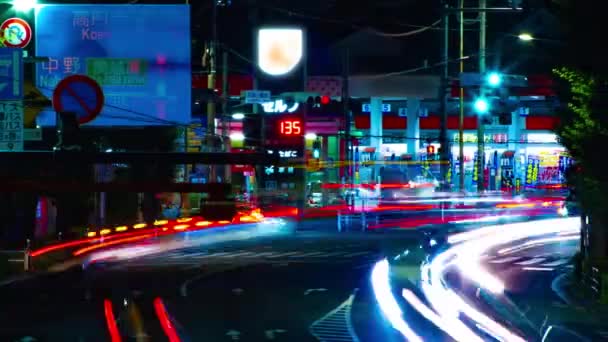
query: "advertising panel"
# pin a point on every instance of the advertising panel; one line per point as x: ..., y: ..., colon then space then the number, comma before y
x: 139, y: 54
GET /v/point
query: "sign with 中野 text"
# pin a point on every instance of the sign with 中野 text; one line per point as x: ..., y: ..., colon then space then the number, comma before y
x: 139, y: 54
x: 118, y: 71
x: 11, y: 126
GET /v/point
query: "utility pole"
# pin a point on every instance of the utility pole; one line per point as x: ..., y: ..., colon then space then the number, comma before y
x: 461, y: 117
x: 443, y: 98
x: 480, y: 124
x: 211, y: 50
x: 225, y: 118
x: 346, y: 109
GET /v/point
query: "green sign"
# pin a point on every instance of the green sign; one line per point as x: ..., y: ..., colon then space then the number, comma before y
x: 117, y: 71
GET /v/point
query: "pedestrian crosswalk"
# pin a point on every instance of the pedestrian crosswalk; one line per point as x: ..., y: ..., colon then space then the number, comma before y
x: 307, y: 255
x: 526, y: 261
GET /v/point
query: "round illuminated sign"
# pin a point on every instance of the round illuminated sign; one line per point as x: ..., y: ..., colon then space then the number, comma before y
x: 15, y: 33
x: 280, y: 50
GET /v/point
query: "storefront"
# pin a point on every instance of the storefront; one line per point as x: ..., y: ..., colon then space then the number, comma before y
x: 535, y: 159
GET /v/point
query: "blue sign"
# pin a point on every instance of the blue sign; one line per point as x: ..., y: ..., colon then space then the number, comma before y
x: 11, y: 74
x: 139, y: 54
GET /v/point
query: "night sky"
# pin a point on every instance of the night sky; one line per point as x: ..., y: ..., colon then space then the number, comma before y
x: 329, y: 21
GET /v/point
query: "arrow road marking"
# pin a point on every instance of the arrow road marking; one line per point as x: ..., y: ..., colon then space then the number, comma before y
x: 234, y: 334
x: 270, y: 333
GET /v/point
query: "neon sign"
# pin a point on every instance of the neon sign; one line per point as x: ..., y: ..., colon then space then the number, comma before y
x: 290, y: 127
x: 278, y: 106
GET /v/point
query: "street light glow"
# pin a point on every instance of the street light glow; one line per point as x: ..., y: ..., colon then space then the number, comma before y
x: 494, y: 79
x: 481, y: 106
x: 237, y: 136
x: 24, y: 5
x: 526, y: 37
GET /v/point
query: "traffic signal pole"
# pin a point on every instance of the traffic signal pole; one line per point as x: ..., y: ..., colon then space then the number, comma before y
x: 461, y: 116
x: 443, y: 97
x: 480, y: 123
x: 211, y: 85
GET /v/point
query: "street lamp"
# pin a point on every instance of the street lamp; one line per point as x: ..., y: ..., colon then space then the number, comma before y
x: 24, y: 5
x: 481, y: 106
x: 494, y: 79
x: 526, y: 37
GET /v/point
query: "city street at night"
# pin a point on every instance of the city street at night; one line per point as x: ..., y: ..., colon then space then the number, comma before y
x: 303, y: 170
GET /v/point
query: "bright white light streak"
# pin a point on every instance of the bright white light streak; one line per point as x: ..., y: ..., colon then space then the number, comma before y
x: 475, y: 243
x: 387, y: 302
x: 486, y: 219
x: 455, y: 331
x: 530, y: 268
x: 478, y: 274
x: 537, y: 242
x: 522, y: 229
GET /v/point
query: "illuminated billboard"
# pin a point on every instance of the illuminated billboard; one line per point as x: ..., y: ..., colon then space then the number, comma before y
x: 139, y: 54
x: 279, y: 50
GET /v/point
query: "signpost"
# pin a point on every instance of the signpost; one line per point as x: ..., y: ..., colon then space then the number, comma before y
x: 15, y: 33
x: 257, y: 96
x: 79, y: 94
x: 11, y: 126
x: 11, y: 74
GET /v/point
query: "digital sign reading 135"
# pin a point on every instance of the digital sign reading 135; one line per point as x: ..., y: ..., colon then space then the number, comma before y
x: 291, y: 127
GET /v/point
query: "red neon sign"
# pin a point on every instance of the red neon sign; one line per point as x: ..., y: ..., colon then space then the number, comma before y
x: 290, y: 127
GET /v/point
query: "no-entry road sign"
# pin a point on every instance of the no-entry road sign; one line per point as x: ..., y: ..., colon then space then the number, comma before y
x: 79, y: 94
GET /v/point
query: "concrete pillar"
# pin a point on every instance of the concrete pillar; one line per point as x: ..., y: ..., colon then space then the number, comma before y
x: 413, y: 126
x: 375, y: 131
x: 514, y: 137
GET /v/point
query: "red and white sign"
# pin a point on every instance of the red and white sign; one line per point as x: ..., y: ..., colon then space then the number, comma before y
x: 15, y: 33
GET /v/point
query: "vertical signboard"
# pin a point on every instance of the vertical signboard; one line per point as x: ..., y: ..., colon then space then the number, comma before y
x: 11, y: 74
x: 11, y: 126
x: 532, y: 170
x: 285, y: 139
x: 139, y: 54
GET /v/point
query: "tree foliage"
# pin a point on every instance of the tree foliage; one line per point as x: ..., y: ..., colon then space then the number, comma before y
x: 582, y: 73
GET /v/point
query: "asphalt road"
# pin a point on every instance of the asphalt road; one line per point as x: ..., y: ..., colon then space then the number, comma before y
x: 314, y: 286
x: 530, y: 276
x: 304, y: 288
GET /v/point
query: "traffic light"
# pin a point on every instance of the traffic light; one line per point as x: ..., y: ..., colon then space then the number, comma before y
x: 481, y: 106
x: 504, y: 118
x: 323, y: 105
x: 316, y: 149
x: 430, y: 149
x: 494, y: 79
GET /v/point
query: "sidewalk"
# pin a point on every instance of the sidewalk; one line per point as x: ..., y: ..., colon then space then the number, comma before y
x: 578, y: 297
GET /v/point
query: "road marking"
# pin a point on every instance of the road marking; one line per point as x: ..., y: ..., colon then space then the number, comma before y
x: 308, y: 254
x: 357, y: 253
x: 279, y: 255
x: 556, y: 263
x: 504, y: 260
x: 530, y: 261
x: 336, y: 325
